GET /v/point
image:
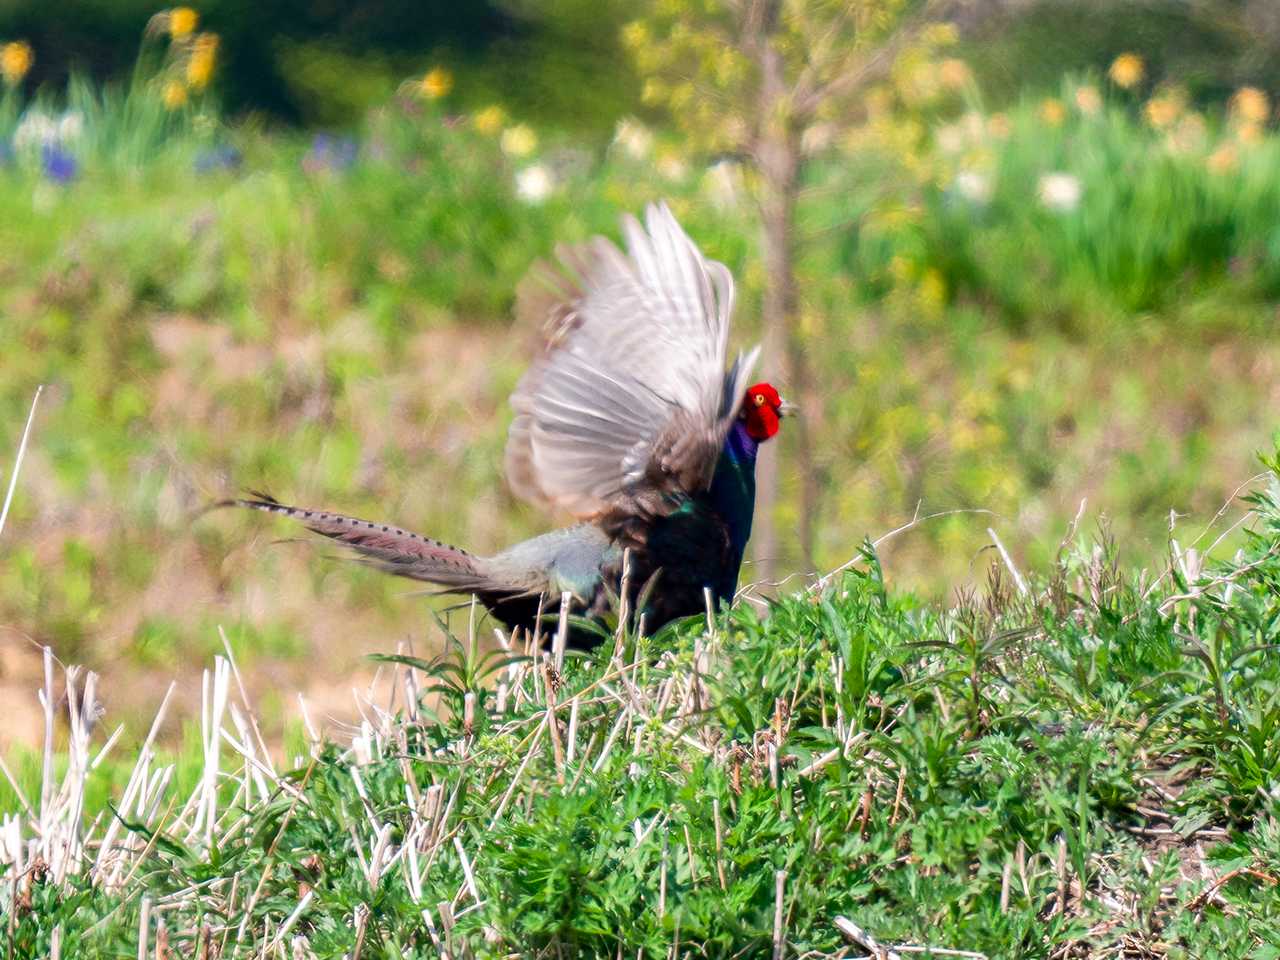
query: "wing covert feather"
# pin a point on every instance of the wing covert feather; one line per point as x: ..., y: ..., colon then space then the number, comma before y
x: 625, y: 408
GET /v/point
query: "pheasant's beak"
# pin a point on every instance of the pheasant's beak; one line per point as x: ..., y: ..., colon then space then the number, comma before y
x: 786, y: 408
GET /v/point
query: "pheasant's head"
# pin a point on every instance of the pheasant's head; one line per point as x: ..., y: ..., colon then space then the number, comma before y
x: 762, y: 411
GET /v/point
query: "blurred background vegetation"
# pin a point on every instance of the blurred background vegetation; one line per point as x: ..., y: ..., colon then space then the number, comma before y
x: 276, y: 246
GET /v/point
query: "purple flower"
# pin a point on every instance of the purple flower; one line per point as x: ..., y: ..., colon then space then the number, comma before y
x: 224, y: 157
x: 58, y: 165
x: 330, y: 153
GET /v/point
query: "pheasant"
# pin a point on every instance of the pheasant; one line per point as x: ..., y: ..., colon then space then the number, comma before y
x: 628, y: 421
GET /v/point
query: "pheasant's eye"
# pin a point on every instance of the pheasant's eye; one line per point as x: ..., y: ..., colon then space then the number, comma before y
x: 759, y: 398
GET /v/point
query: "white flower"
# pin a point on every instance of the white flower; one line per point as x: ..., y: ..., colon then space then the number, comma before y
x: 70, y: 126
x: 534, y: 184
x: 817, y: 138
x: 950, y: 138
x: 974, y: 186
x: 723, y: 183
x: 633, y: 137
x: 974, y: 126
x: 35, y: 130
x: 1060, y: 192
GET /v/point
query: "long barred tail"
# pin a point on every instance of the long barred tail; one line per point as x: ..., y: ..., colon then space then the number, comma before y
x: 389, y: 548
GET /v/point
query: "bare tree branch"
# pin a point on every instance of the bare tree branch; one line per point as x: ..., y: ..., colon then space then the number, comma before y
x: 863, y: 65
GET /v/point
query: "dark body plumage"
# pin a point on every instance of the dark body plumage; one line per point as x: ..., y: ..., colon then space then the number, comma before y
x: 627, y: 420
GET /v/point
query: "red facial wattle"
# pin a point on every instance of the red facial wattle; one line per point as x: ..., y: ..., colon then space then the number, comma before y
x: 761, y: 412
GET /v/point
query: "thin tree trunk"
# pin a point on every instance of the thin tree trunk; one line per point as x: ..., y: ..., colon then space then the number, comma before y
x: 777, y: 208
x: 777, y: 156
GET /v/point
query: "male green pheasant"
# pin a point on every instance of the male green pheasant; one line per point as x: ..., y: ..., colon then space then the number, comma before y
x: 629, y: 422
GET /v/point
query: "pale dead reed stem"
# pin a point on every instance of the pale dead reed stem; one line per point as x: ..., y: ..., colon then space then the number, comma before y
x: 467, y: 873
x: 779, y: 898
x: 609, y: 741
x: 1008, y: 562
x: 17, y: 461
x: 144, y: 928
x: 290, y: 921
x: 362, y: 922
x: 1020, y: 860
x: 536, y: 639
x: 624, y: 605
x: 855, y: 934
x: 271, y: 852
x: 552, y: 725
x: 938, y: 951
x: 897, y: 798
x: 693, y: 867
x: 562, y: 632
x: 1061, y: 866
x: 573, y: 729
x: 135, y: 783
x: 46, y: 779
x: 506, y: 797
x: 244, y: 699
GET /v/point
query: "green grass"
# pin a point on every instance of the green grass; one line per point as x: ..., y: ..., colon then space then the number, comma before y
x: 1087, y: 766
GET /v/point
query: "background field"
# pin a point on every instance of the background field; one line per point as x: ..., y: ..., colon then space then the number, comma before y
x: 1038, y: 270
x: 219, y: 301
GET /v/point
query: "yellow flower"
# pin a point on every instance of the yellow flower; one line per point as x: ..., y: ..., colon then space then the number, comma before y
x: 1052, y: 112
x: 182, y: 22
x: 437, y: 83
x: 1222, y: 160
x: 15, y: 60
x: 932, y: 291
x: 174, y: 95
x: 1088, y: 100
x: 1250, y: 105
x: 1162, y: 110
x: 204, y: 57
x: 954, y: 74
x: 519, y: 141
x: 1249, y: 134
x: 635, y: 35
x: 1127, y: 70
x: 489, y: 120
x: 998, y: 126
x: 940, y: 35
x: 878, y: 101
x: 920, y: 85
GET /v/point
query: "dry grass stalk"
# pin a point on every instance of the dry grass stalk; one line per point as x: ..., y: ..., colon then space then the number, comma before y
x: 779, y: 929
x: 17, y: 461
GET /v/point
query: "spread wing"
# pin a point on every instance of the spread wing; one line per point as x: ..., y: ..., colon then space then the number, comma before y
x: 626, y: 407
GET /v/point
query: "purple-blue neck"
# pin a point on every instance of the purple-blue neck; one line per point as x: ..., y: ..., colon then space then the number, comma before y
x: 739, y: 446
x: 733, y: 497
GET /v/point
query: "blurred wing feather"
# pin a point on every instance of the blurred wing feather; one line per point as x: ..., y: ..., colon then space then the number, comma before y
x: 626, y: 407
